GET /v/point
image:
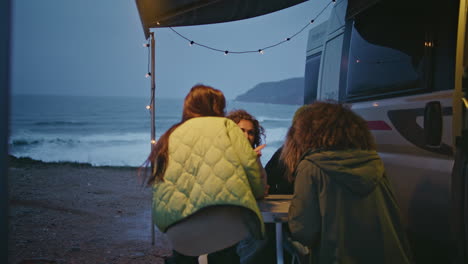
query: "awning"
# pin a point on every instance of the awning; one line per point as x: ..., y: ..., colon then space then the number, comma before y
x: 357, y: 6
x: 173, y: 13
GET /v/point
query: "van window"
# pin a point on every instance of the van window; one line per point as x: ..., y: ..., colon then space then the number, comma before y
x: 388, y: 54
x: 311, y: 77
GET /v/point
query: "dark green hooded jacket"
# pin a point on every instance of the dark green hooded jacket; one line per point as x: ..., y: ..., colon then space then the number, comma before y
x: 344, y: 209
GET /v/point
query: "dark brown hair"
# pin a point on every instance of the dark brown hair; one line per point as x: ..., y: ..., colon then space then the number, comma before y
x: 238, y: 115
x: 200, y: 101
x: 324, y: 125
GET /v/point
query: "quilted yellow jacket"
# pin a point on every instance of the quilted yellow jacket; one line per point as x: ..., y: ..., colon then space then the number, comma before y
x: 210, y: 163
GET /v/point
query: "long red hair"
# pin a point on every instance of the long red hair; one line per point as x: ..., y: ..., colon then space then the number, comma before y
x: 202, y: 100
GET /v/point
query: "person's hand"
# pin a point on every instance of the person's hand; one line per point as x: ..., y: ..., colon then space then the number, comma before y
x: 267, y: 189
x: 258, y: 150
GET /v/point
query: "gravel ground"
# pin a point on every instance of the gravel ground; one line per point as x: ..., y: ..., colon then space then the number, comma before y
x: 77, y: 213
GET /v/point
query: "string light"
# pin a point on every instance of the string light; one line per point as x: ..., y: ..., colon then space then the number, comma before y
x: 260, y: 51
x: 226, y: 52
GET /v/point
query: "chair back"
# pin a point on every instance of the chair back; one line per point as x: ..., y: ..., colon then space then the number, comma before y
x: 209, y: 230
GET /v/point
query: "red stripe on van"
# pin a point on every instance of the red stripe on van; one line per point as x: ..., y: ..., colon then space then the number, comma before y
x: 378, y: 125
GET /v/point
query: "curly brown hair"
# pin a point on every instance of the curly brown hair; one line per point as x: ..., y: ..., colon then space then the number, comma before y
x: 324, y: 125
x: 240, y: 114
x: 202, y: 100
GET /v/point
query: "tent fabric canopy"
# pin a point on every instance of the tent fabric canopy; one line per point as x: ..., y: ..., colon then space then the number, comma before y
x: 173, y: 13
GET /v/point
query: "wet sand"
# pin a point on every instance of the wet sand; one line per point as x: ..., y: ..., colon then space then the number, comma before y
x: 77, y: 213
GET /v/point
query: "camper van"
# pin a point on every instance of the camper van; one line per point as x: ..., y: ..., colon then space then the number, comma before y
x: 400, y: 65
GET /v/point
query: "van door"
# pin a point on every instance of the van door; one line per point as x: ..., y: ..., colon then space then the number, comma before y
x: 460, y: 134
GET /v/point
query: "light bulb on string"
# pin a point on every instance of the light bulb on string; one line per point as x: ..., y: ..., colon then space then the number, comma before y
x: 148, y: 107
x: 153, y: 141
x: 226, y: 52
x: 146, y: 45
x: 148, y: 75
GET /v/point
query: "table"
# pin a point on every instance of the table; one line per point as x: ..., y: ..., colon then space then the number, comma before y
x: 274, y: 209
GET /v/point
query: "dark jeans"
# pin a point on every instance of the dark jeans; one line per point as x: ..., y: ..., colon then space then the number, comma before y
x: 225, y: 256
x: 264, y: 252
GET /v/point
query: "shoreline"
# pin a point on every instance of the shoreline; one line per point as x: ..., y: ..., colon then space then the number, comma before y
x: 14, y: 161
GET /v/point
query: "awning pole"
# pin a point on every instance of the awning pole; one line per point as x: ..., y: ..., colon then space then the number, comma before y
x: 153, y: 88
x: 153, y: 126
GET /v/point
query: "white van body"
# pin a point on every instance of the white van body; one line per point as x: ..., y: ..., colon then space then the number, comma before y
x: 395, y: 88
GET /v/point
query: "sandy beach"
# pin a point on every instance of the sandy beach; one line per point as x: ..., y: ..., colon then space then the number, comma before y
x: 77, y: 213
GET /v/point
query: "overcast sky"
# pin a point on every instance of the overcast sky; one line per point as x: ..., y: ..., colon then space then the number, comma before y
x: 94, y: 47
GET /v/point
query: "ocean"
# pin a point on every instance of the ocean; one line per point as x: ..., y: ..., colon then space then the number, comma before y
x: 113, y: 131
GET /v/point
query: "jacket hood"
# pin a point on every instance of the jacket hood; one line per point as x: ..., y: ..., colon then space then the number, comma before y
x: 357, y: 170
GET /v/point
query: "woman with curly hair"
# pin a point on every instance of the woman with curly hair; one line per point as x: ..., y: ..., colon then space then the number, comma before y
x: 343, y: 206
x: 250, y: 250
x: 254, y: 132
x: 249, y: 125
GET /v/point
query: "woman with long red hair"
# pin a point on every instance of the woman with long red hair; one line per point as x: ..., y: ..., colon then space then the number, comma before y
x: 204, y: 161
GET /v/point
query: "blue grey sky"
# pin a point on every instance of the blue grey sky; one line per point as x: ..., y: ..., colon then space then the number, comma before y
x: 91, y: 47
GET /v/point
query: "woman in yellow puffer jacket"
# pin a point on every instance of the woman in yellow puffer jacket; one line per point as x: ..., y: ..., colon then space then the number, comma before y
x: 204, y: 161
